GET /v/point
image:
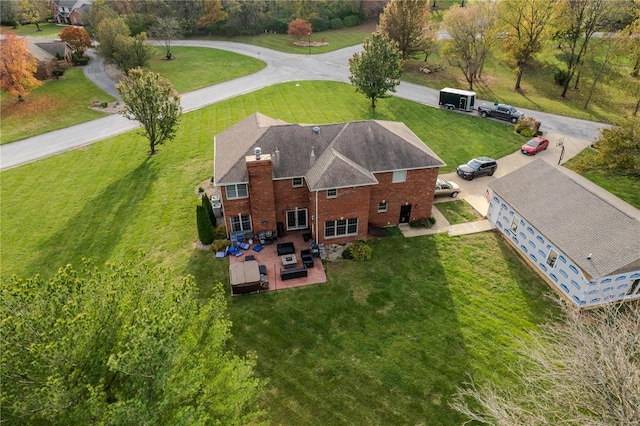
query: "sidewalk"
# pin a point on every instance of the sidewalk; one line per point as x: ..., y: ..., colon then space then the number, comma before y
x: 478, y: 202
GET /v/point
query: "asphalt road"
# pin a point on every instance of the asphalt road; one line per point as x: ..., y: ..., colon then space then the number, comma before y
x: 281, y: 67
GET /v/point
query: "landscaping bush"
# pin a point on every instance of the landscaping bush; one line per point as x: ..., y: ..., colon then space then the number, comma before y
x: 205, y: 231
x: 207, y: 205
x: 104, y: 104
x: 358, y: 250
x: 423, y: 222
x: 561, y: 77
x: 218, y: 245
x: 336, y: 24
x: 527, y: 132
x: 57, y: 72
x: 220, y: 233
x: 320, y: 24
x: 351, y: 21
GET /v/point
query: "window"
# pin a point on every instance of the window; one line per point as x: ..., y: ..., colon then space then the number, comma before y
x: 238, y: 190
x: 514, y: 224
x: 296, y: 219
x: 240, y: 223
x: 340, y: 228
x: 382, y: 207
x: 551, y: 259
x: 634, y: 289
x: 332, y: 193
x: 399, y: 176
x: 297, y: 182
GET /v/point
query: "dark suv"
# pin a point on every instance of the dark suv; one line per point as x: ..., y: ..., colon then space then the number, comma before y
x: 479, y: 166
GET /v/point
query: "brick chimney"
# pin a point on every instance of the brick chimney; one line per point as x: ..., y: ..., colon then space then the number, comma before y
x: 261, y: 195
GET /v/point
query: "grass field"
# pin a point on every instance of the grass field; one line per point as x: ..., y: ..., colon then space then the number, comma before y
x: 195, y: 67
x: 54, y: 105
x: 48, y: 30
x: 383, y: 342
x: 458, y: 211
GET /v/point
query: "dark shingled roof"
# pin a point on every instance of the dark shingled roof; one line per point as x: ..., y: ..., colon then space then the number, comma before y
x: 345, y: 154
x: 576, y: 216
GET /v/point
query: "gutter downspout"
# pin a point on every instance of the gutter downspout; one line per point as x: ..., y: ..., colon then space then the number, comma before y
x: 317, y: 217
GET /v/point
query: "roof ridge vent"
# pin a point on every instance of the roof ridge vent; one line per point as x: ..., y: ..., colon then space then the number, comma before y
x: 316, y: 130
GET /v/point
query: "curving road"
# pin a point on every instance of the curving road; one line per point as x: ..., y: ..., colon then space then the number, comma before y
x: 281, y: 67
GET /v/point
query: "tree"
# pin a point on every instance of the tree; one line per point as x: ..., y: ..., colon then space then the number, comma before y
x: 429, y: 41
x: 17, y: 66
x: 585, y: 371
x: 618, y: 150
x: 209, y: 208
x: 76, y: 37
x: 377, y: 69
x: 299, y: 29
x: 10, y: 13
x: 404, y: 21
x: 213, y: 13
x: 127, y: 345
x: 205, y: 231
x: 109, y: 31
x: 578, y: 20
x: 472, y: 32
x: 526, y: 23
x: 166, y: 29
x: 150, y: 100
x: 132, y: 52
x: 34, y: 11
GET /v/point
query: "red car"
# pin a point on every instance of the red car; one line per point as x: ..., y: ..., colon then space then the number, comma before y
x: 534, y: 146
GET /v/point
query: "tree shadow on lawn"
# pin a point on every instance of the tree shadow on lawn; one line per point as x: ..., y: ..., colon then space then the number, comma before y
x: 96, y: 230
x: 379, y: 343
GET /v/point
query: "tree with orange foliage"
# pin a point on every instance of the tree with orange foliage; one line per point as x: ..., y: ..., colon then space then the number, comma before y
x: 76, y: 37
x: 299, y: 29
x: 213, y: 13
x: 17, y: 66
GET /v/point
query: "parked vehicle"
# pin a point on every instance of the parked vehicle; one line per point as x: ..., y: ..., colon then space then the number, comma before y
x: 444, y: 187
x: 500, y: 111
x: 535, y: 145
x: 457, y: 99
x: 479, y: 166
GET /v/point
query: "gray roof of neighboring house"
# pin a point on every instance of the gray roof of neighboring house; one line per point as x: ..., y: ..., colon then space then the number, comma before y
x: 345, y: 154
x: 44, y: 48
x: 576, y: 215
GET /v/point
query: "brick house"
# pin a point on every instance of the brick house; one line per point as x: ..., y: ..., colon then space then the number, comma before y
x: 332, y: 180
x: 73, y: 12
x: 582, y: 239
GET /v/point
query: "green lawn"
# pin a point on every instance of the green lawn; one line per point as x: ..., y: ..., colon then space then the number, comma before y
x: 458, y: 211
x: 55, y: 105
x: 336, y: 39
x: 196, y: 67
x: 49, y: 29
x: 383, y: 342
x: 624, y: 187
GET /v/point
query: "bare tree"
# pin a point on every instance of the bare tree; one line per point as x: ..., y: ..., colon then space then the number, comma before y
x: 583, y: 371
x: 525, y: 23
x: 166, y: 30
x: 472, y: 32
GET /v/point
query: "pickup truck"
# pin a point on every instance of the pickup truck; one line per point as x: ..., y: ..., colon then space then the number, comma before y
x: 500, y: 111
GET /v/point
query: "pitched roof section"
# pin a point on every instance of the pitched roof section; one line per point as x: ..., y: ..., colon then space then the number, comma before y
x: 576, y: 216
x: 346, y: 154
x: 236, y: 142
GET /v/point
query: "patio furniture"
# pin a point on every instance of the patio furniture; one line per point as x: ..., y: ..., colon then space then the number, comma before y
x: 289, y: 261
x: 313, y: 247
x: 258, y: 248
x: 235, y: 251
x: 306, y: 258
x: 249, y: 257
x: 266, y: 237
x: 286, y: 248
x: 222, y: 254
x: 289, y: 274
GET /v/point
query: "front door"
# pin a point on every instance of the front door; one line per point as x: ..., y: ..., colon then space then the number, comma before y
x: 405, y: 214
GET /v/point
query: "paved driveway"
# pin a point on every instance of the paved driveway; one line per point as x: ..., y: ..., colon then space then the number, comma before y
x: 281, y: 67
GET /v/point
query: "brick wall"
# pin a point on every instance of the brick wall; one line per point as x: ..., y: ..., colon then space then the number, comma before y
x: 261, y: 193
x: 417, y: 191
x: 350, y: 203
x: 288, y: 198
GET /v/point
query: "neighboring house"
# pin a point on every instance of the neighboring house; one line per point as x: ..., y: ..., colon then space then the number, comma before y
x: 581, y: 238
x: 333, y: 180
x: 72, y: 12
x: 45, y: 49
